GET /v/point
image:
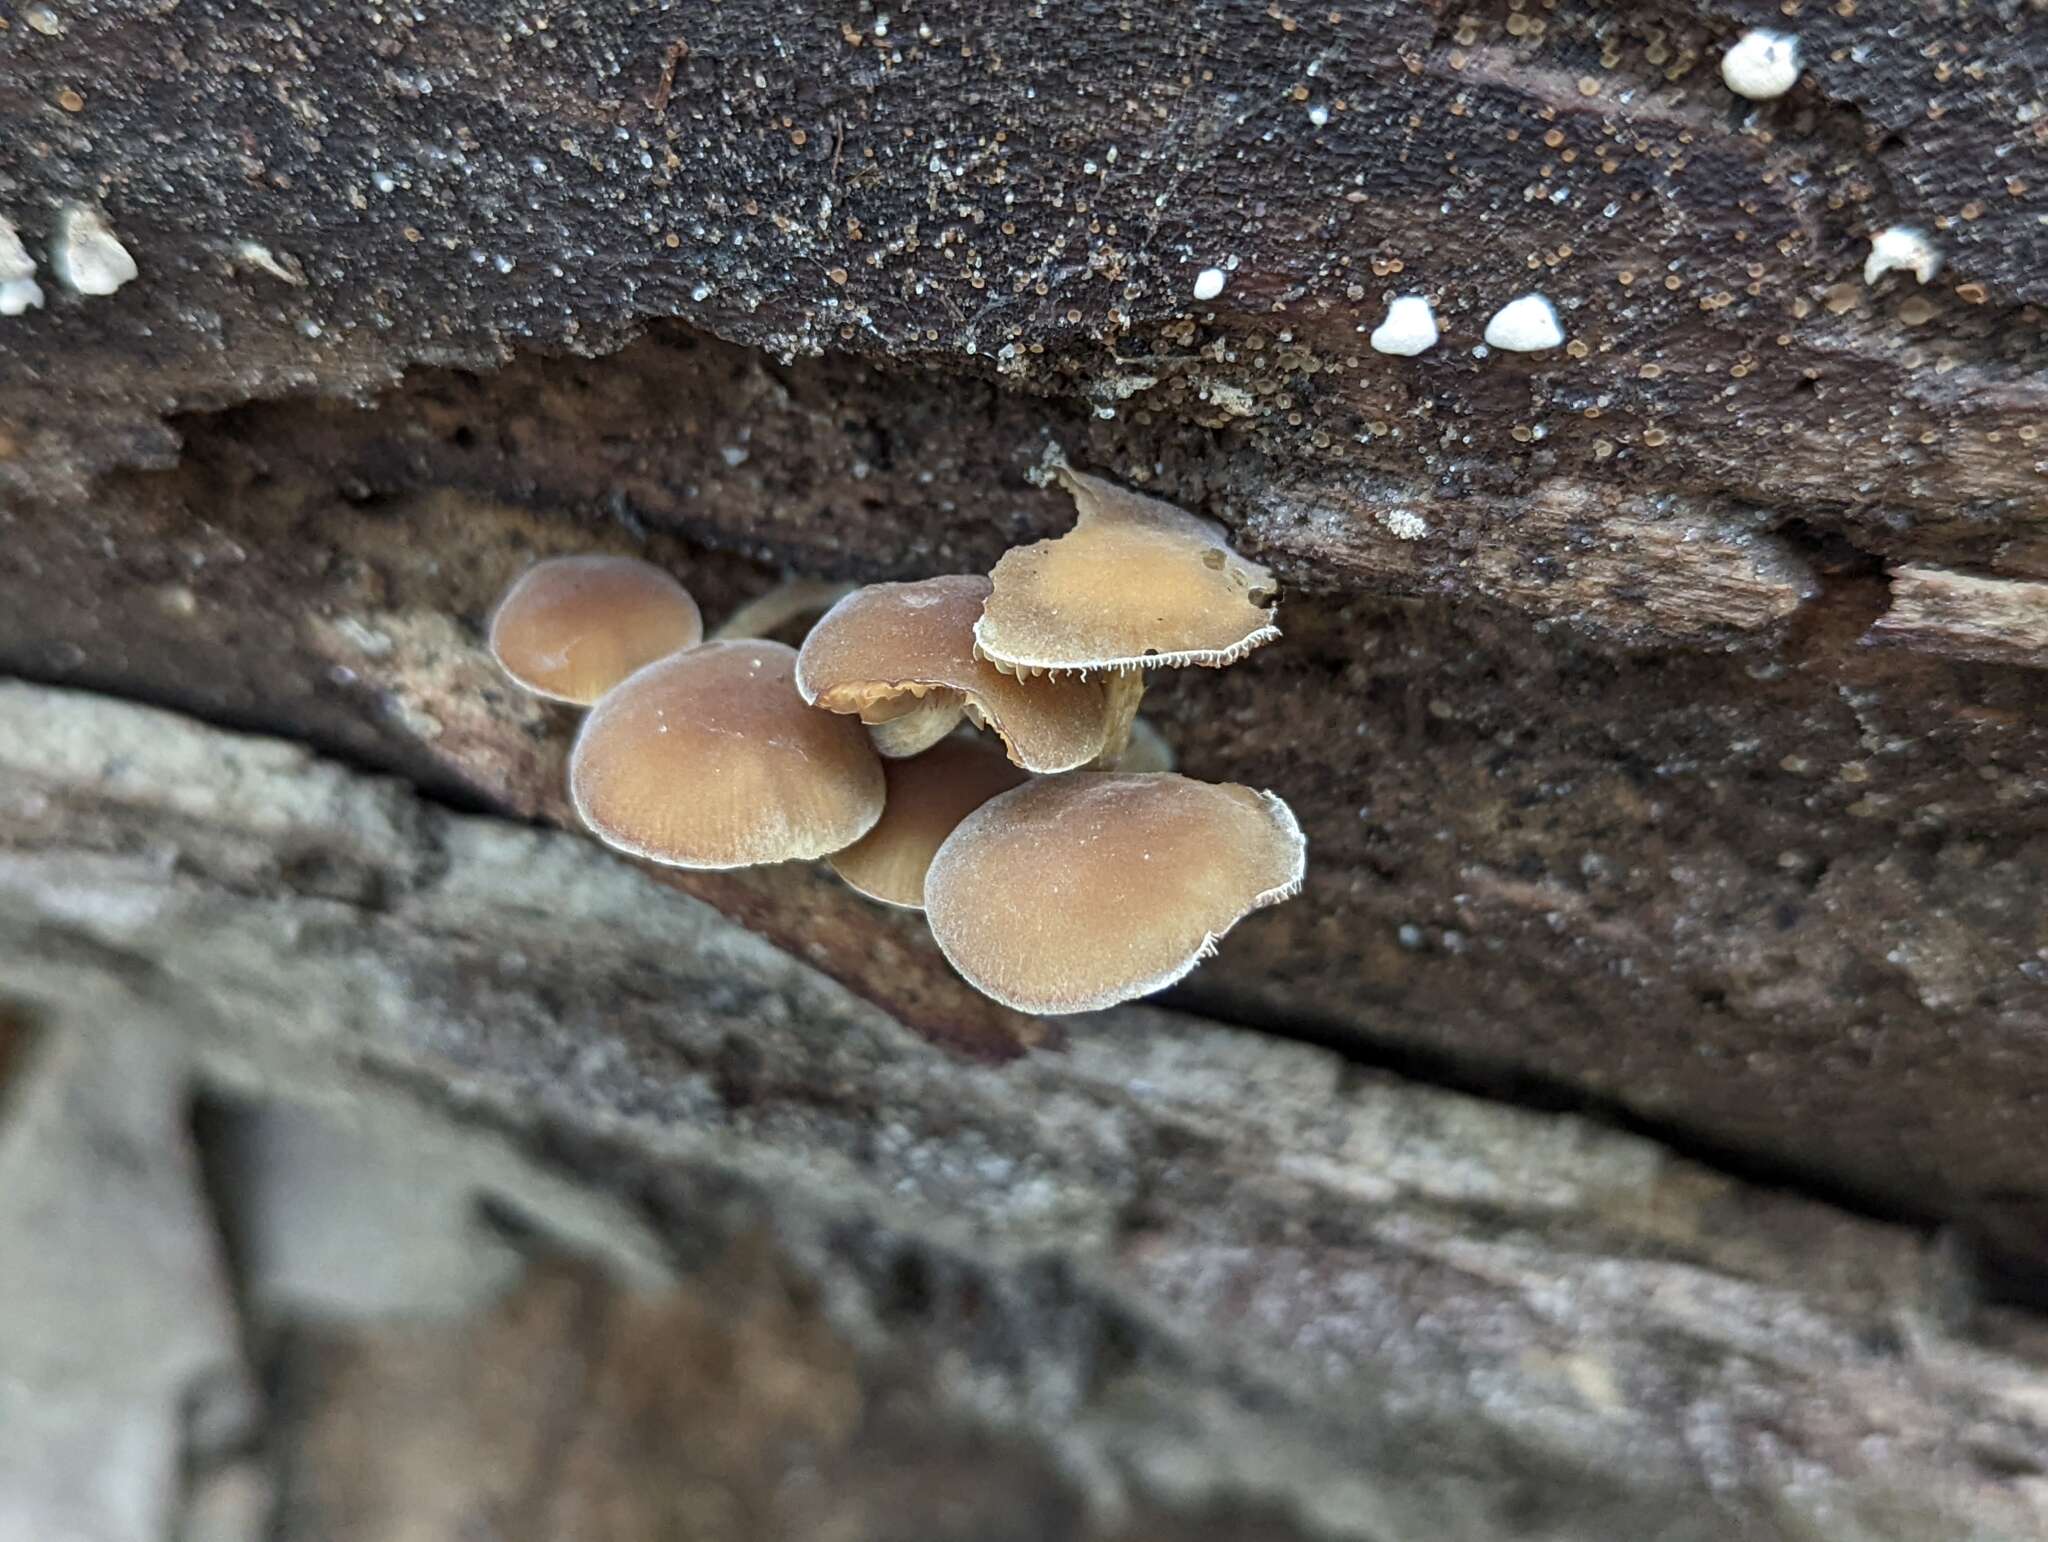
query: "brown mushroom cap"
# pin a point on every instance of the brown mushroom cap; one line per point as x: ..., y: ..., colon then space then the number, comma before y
x: 1076, y: 892
x: 891, y: 644
x: 928, y: 797
x: 571, y: 628
x: 709, y: 758
x: 1135, y: 584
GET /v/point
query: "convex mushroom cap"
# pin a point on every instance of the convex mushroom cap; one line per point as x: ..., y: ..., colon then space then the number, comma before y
x: 1135, y: 584
x: 571, y: 628
x: 893, y: 649
x: 1076, y: 892
x: 928, y: 797
x: 710, y: 759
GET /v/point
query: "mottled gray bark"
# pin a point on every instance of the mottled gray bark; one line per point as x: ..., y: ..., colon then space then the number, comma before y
x: 1171, y: 1273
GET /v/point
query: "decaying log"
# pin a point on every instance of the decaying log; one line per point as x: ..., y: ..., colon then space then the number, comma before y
x: 1610, y: 802
x: 1166, y: 1275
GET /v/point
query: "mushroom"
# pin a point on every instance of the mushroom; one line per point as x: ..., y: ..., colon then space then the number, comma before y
x: 928, y: 797
x: 893, y: 649
x: 710, y: 759
x: 1076, y: 892
x: 1137, y: 583
x: 571, y: 628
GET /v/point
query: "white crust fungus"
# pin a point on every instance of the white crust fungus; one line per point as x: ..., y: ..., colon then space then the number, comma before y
x: 1901, y: 246
x: 1525, y: 325
x: 1762, y: 65
x: 1409, y: 329
x: 87, y: 256
x: 19, y: 290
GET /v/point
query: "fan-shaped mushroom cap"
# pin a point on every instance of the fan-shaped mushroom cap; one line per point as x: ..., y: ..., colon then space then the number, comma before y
x: 571, y: 628
x: 1076, y: 892
x: 890, y: 643
x: 709, y: 758
x: 928, y: 796
x: 1136, y: 583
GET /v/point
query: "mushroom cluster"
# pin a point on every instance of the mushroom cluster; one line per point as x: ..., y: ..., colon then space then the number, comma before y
x: 1061, y: 863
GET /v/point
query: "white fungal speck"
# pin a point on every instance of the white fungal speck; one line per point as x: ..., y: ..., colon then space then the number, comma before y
x: 1319, y: 115
x: 1403, y: 524
x: 1410, y: 327
x: 1525, y: 325
x: 87, y: 257
x: 1901, y: 246
x: 1208, y: 283
x: 1762, y: 65
x: 18, y: 287
x: 254, y: 254
x: 44, y: 20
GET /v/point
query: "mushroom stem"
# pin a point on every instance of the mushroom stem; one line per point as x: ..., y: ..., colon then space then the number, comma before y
x: 914, y: 732
x: 770, y: 612
x: 1147, y: 750
x: 1126, y: 690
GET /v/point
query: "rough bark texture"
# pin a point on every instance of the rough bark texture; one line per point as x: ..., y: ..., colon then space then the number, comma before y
x: 1173, y: 1281
x: 1666, y: 713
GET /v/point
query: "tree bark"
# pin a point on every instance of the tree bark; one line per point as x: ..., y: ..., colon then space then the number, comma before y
x: 1666, y: 711
x: 1175, y: 1280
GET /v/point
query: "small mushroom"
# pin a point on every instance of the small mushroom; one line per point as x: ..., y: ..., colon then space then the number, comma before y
x: 571, y: 628
x: 710, y: 759
x: 928, y: 797
x: 1137, y: 583
x: 890, y: 649
x: 1076, y: 892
